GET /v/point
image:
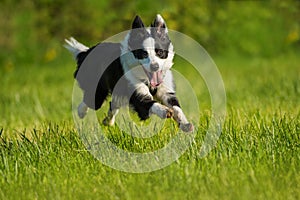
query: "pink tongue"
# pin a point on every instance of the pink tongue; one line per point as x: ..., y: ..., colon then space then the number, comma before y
x: 155, y: 78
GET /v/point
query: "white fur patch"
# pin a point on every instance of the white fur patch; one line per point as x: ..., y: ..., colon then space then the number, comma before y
x: 149, y: 43
x: 82, y: 110
x: 161, y: 20
x: 74, y: 46
x: 143, y: 90
x: 165, y: 88
x: 181, y: 120
x: 179, y: 115
x: 169, y: 61
x: 132, y: 67
x: 160, y: 110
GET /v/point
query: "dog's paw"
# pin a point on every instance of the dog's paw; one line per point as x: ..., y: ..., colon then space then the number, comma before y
x: 169, y: 113
x: 108, y: 121
x: 82, y: 110
x: 186, y: 127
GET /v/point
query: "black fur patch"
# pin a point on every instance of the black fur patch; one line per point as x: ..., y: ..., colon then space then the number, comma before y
x: 153, y: 90
x: 96, y: 88
x: 141, y: 104
x: 173, y: 101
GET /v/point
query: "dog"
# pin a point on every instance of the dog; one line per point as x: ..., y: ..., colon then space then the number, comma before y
x: 140, y: 66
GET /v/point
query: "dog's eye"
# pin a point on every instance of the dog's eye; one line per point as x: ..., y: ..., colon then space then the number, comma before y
x: 161, y: 53
x: 144, y: 54
x: 140, y: 54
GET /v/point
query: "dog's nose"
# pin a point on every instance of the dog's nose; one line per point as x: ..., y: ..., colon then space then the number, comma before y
x: 154, y: 67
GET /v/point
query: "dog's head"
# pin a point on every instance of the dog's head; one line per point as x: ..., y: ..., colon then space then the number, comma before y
x: 151, y: 48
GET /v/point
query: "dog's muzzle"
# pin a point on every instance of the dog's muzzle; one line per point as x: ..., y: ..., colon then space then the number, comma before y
x: 155, y: 77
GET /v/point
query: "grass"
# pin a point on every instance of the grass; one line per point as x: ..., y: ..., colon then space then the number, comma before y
x: 256, y: 157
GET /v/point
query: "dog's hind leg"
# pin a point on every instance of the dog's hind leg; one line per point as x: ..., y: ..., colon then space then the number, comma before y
x: 109, y: 120
x: 116, y: 103
x: 91, y: 101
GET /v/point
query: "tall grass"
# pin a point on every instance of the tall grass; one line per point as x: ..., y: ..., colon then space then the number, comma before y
x: 256, y: 157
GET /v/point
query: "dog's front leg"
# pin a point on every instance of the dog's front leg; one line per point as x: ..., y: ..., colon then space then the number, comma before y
x: 169, y: 98
x: 143, y: 103
x: 180, y: 118
x: 161, y: 110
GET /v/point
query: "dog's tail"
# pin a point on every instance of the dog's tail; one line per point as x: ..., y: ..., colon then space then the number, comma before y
x: 74, y: 46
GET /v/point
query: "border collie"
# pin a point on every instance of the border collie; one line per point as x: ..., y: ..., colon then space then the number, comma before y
x: 139, y: 65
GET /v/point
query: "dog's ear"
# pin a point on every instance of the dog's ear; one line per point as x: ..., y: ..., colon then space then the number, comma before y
x: 137, y: 23
x: 159, y: 26
x: 137, y: 34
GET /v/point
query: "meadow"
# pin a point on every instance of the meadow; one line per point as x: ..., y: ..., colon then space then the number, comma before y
x: 255, y: 45
x: 256, y: 157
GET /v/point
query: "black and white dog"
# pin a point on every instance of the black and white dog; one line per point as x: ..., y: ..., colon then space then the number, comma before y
x: 141, y: 70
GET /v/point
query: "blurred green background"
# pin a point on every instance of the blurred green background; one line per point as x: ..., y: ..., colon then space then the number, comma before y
x: 33, y: 31
x: 243, y: 37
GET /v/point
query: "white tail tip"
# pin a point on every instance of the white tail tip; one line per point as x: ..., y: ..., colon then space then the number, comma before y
x: 74, y: 46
